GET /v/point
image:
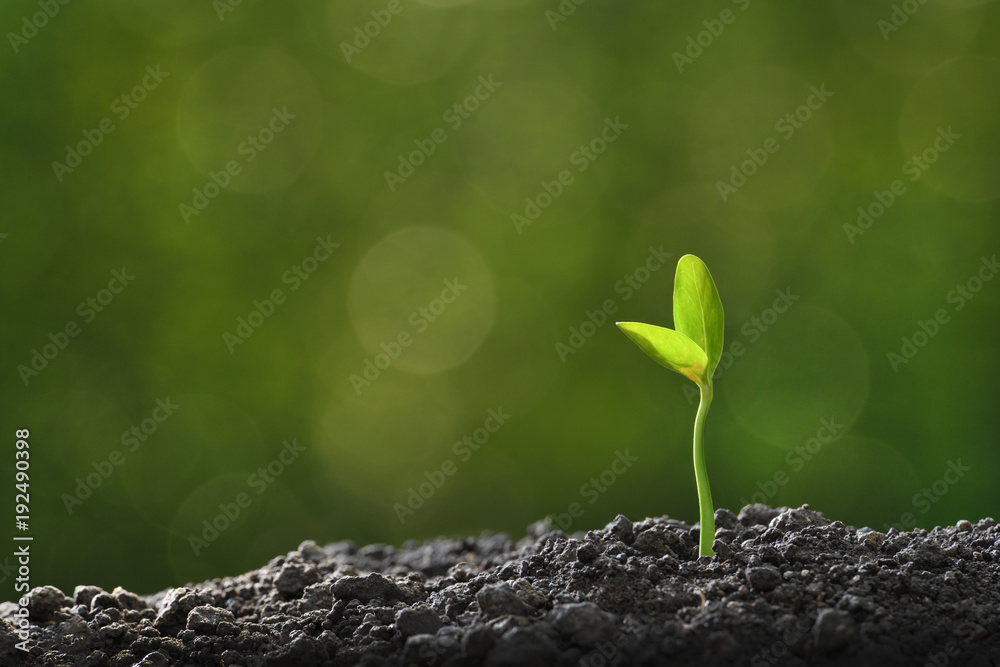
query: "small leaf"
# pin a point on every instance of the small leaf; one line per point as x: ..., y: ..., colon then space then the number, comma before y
x: 697, y: 308
x: 669, y: 348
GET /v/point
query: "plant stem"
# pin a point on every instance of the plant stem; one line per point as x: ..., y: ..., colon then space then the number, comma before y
x: 705, y: 506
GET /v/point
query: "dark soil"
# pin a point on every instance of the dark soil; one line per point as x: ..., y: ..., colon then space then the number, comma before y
x: 786, y: 587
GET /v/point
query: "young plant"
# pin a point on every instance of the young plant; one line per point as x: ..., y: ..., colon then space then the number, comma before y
x: 693, y: 350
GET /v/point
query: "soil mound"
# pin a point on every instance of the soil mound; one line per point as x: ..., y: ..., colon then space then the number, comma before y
x: 786, y: 586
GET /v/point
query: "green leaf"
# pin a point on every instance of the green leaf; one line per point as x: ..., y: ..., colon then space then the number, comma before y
x: 669, y: 348
x: 697, y: 308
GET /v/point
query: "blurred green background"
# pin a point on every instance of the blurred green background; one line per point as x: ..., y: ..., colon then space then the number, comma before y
x: 218, y: 152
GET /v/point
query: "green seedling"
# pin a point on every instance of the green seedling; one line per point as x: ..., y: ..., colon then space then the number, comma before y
x: 693, y: 350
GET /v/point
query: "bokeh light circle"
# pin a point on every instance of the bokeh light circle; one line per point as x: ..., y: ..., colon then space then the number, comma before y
x: 202, y: 434
x: 529, y: 133
x: 202, y: 532
x: 911, y: 36
x: 427, y: 285
x: 179, y: 24
x: 847, y: 479
x: 764, y: 131
x: 257, y: 107
x: 416, y: 42
x: 960, y: 96
x: 738, y: 243
x: 798, y: 368
x: 385, y: 438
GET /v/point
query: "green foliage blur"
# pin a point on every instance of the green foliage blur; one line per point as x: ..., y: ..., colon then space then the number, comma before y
x: 349, y: 270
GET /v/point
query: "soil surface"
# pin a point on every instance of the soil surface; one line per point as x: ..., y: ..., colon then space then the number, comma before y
x: 786, y: 587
